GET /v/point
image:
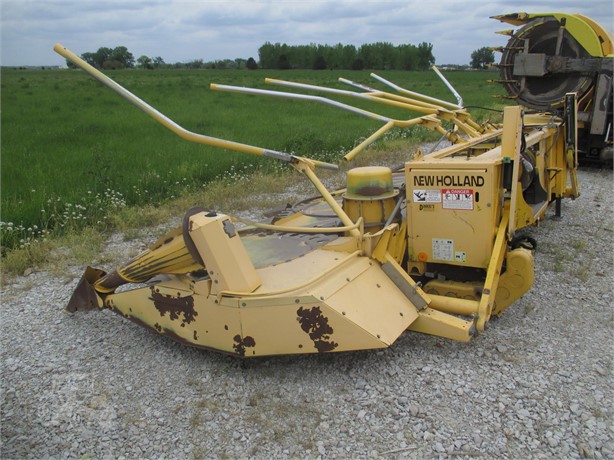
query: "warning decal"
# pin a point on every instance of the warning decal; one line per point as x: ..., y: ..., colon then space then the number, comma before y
x: 443, y: 249
x: 427, y: 196
x: 457, y: 198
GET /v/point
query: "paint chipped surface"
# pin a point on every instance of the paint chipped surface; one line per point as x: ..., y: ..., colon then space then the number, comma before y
x: 241, y: 343
x: 316, y: 326
x: 175, y: 307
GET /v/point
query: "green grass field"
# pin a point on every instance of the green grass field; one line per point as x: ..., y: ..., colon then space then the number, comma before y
x: 72, y: 149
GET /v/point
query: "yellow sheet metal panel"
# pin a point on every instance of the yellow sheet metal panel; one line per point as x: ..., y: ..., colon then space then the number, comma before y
x: 517, y: 279
x: 584, y: 33
x: 189, y: 319
x: 452, y: 209
x: 295, y: 273
x: 306, y: 326
x: 372, y: 301
x: 592, y: 36
x: 225, y: 256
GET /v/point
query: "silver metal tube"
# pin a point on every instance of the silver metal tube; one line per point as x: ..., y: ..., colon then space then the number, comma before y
x: 424, y: 97
x: 305, y: 97
x: 357, y: 85
x: 449, y: 85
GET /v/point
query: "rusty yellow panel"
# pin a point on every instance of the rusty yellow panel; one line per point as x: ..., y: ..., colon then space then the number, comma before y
x: 373, y: 302
x: 311, y: 327
x: 190, y: 319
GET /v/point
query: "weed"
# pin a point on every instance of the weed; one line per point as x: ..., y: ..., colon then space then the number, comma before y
x: 583, y: 272
x: 578, y: 245
x: 30, y: 255
x: 195, y: 420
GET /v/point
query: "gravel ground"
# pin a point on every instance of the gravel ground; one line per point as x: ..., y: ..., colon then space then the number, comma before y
x: 537, y: 384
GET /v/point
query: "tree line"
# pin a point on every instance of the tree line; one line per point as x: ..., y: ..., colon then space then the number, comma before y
x: 375, y: 56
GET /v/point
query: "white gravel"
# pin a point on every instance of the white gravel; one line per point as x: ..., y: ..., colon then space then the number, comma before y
x: 538, y: 383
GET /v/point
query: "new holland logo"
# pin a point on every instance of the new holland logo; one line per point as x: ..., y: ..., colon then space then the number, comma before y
x: 448, y: 181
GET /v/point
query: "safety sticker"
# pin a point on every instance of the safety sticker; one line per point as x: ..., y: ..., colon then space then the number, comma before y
x: 460, y: 256
x: 457, y: 198
x: 443, y: 249
x: 427, y: 196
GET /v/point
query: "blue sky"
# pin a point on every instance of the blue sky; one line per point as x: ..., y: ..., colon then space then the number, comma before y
x: 183, y: 30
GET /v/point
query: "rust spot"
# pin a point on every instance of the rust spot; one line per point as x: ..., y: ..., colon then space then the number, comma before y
x: 242, y: 343
x: 157, y: 327
x: 195, y: 336
x: 174, y: 307
x: 316, y: 325
x: 372, y: 190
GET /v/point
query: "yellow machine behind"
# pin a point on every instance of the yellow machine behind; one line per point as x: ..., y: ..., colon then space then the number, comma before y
x: 435, y: 246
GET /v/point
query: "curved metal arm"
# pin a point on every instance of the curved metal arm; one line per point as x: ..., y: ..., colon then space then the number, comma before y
x: 173, y: 126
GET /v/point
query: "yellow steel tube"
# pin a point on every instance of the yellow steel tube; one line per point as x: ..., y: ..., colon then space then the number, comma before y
x: 460, y: 118
x: 384, y: 94
x: 359, y: 148
x: 494, y: 271
x: 452, y: 305
x: 368, y: 96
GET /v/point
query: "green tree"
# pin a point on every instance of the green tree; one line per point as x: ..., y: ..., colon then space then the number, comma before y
x: 251, y: 64
x: 89, y: 57
x: 408, y: 57
x: 123, y: 56
x: 158, y: 62
x: 425, y: 56
x: 144, y: 62
x: 319, y: 63
x: 268, y: 54
x: 358, y: 64
x: 480, y: 58
x: 283, y: 63
x: 102, y: 55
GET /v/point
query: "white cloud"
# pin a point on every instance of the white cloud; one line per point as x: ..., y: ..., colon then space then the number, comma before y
x: 182, y: 30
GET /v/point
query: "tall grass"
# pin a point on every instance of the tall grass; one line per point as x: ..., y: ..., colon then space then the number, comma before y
x: 73, y: 150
